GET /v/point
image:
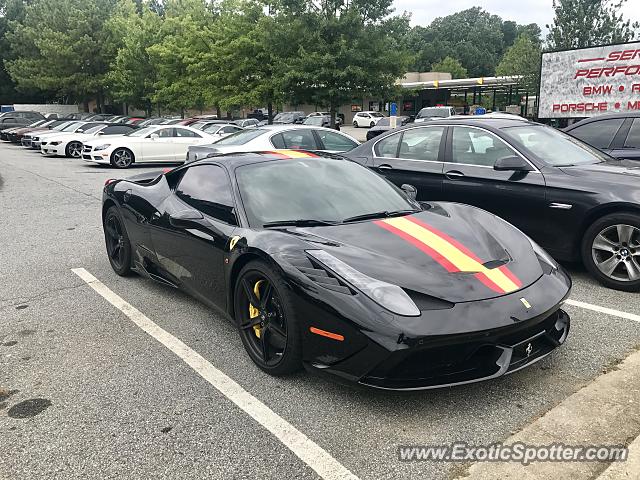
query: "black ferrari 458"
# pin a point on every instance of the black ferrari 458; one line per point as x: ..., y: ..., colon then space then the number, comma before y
x: 322, y: 263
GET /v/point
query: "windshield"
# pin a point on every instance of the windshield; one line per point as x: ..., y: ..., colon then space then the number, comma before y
x: 88, y: 126
x: 61, y: 126
x: 92, y: 130
x: 142, y: 132
x: 284, y: 117
x: 243, y: 137
x: 71, y: 127
x: 553, y: 147
x: 434, y: 112
x: 213, y: 128
x: 317, y: 121
x: 376, y: 114
x: 314, y: 189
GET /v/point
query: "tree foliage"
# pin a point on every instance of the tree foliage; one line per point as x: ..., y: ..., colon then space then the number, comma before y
x: 450, y: 65
x: 346, y: 49
x: 61, y: 47
x: 584, y: 23
x: 522, y: 58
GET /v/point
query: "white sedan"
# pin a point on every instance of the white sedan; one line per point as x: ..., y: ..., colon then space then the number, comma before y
x: 156, y: 143
x: 278, y: 137
x: 70, y: 144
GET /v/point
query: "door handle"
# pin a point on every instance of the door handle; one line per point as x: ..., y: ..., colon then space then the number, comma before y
x: 454, y: 175
x: 385, y: 166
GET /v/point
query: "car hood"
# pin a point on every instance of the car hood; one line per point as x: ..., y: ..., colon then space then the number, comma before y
x: 625, y: 171
x: 451, y: 251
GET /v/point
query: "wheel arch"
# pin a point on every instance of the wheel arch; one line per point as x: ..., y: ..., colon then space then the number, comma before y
x: 238, y: 265
x: 602, y: 211
x: 106, y: 206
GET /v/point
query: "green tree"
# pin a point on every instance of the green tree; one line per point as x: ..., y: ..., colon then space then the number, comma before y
x: 346, y: 50
x: 61, y: 47
x: 450, y: 65
x: 184, y: 36
x: 585, y: 23
x: 133, y: 74
x: 523, y: 58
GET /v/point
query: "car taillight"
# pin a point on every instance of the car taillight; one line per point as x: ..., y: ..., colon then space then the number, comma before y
x: 108, y: 181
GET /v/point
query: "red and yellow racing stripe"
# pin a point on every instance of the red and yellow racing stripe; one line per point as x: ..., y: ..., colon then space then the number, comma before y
x: 450, y: 253
x: 292, y: 154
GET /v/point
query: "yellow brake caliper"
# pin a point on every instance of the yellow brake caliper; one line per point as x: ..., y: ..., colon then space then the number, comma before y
x: 253, y: 311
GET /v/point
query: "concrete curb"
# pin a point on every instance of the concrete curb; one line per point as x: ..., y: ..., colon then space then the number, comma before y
x: 605, y: 412
x: 629, y: 470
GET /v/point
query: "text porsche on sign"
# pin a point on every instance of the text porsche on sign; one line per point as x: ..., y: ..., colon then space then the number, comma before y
x: 590, y: 81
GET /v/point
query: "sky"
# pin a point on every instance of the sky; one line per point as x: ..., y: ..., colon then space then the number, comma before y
x: 521, y: 11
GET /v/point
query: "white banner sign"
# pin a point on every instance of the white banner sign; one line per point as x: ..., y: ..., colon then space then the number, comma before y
x: 590, y: 81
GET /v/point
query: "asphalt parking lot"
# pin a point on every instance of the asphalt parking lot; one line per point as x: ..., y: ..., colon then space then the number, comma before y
x: 115, y: 402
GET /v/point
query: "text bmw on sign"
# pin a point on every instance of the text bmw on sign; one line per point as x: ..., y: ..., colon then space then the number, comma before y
x: 590, y: 81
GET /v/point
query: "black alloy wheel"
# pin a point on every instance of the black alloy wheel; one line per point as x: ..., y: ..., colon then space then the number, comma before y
x: 117, y: 242
x: 264, y: 315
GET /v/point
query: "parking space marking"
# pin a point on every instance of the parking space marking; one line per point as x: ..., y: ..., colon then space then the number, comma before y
x: 608, y: 311
x: 308, y: 451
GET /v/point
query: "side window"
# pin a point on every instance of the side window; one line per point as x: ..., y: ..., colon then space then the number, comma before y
x: 633, y: 139
x: 163, y: 133
x: 207, y: 188
x: 388, y: 147
x: 598, y: 134
x: 183, y: 132
x: 472, y: 146
x: 298, y: 139
x: 421, y: 143
x: 336, y: 142
x: 116, y: 130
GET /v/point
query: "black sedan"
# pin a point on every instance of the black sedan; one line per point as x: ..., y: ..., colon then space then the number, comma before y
x: 617, y: 134
x: 320, y: 262
x: 574, y: 200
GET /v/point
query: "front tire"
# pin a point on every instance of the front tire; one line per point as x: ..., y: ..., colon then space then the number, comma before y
x: 355, y: 124
x: 74, y: 150
x: 611, y: 251
x: 122, y: 158
x: 372, y: 124
x: 266, y: 321
x: 117, y: 242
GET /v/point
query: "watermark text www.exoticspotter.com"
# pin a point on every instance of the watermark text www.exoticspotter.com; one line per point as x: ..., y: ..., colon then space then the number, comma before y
x: 516, y: 452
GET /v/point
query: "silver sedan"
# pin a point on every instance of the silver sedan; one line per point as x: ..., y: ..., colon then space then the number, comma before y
x: 270, y: 137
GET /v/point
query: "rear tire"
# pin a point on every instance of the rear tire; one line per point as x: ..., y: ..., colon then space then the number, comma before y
x: 117, y: 242
x: 275, y: 323
x: 355, y: 124
x: 372, y: 124
x: 122, y: 158
x: 611, y: 251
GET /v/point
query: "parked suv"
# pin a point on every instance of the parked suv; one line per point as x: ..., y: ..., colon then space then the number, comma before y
x: 434, y: 113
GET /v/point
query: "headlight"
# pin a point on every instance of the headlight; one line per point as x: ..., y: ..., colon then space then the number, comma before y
x: 389, y: 296
x: 101, y: 147
x: 544, y: 256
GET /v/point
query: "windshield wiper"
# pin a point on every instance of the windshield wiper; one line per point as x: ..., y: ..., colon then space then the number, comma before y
x: 384, y: 214
x: 298, y: 223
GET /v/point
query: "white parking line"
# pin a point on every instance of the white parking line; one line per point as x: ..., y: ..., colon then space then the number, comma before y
x: 608, y: 311
x: 308, y: 451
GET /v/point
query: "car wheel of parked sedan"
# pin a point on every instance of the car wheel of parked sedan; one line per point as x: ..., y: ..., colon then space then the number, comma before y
x: 372, y: 124
x: 74, y: 150
x: 355, y: 124
x: 122, y: 158
x: 117, y: 242
x: 611, y: 251
x: 265, y: 317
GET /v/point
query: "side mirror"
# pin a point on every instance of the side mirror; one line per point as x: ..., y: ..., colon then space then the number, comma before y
x: 410, y: 190
x: 153, y: 136
x: 513, y: 164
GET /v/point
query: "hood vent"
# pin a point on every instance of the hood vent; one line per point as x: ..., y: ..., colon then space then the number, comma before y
x: 323, y: 278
